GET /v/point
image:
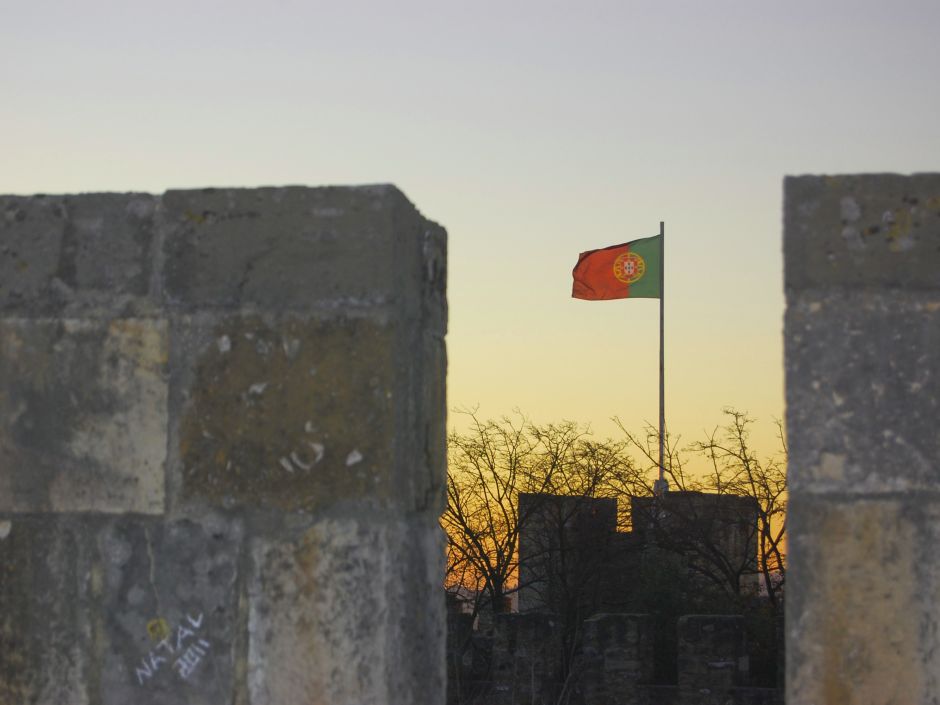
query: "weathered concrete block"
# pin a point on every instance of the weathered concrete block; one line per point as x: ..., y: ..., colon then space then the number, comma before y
x: 222, y: 453
x: 46, y: 648
x: 299, y: 413
x: 111, y: 611
x: 861, y: 625
x: 284, y: 249
x: 85, y: 255
x: 862, y: 230
x: 168, y: 626
x: 83, y: 416
x: 858, y: 364
x: 349, y: 613
x: 863, y: 384
x: 31, y: 234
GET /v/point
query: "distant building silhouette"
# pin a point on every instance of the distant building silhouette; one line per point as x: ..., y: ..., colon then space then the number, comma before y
x: 608, y: 615
x: 715, y: 533
x: 572, y: 557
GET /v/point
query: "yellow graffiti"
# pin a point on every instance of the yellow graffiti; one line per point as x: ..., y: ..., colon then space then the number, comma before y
x: 158, y: 629
x: 198, y: 218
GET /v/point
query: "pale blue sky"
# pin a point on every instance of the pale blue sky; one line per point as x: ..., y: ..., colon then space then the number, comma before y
x: 531, y: 130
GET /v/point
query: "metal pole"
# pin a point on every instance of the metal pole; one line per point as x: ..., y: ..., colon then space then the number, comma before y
x: 662, y: 358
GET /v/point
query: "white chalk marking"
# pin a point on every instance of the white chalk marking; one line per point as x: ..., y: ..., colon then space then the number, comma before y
x: 181, y: 634
x: 190, y: 656
x: 143, y: 672
x: 318, y: 450
x: 298, y: 462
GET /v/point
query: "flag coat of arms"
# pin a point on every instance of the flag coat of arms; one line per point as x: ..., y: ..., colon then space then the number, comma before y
x: 628, y: 271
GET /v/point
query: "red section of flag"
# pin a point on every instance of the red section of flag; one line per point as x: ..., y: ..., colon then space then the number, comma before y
x: 594, y: 278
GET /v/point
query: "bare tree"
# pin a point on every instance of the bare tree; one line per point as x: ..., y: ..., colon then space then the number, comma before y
x: 488, y: 467
x: 541, y: 497
x: 504, y: 485
x: 495, y: 462
x: 731, y: 521
x: 736, y: 470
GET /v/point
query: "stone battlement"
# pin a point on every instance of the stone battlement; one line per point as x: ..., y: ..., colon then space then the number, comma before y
x: 613, y: 666
x: 222, y: 429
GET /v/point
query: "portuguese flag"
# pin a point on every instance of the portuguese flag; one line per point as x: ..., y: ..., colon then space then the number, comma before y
x: 628, y: 271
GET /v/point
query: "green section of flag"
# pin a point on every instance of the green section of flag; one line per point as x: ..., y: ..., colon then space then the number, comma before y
x: 649, y: 285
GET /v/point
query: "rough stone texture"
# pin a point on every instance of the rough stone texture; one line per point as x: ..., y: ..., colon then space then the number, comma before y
x: 358, y: 642
x: 618, y: 656
x: 88, y: 255
x: 232, y: 248
x: 858, y: 363
x: 102, y: 610
x: 46, y: 649
x: 863, y: 383
x: 712, y: 658
x: 222, y: 425
x: 876, y: 559
x: 251, y: 375
x: 83, y: 422
x: 871, y: 230
x: 168, y: 620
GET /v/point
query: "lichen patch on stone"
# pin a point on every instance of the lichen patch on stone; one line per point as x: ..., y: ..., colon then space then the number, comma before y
x: 259, y: 425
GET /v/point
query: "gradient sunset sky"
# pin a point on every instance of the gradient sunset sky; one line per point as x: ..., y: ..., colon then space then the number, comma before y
x: 532, y: 131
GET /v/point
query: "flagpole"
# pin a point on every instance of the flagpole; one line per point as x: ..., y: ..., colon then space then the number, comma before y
x: 662, y: 357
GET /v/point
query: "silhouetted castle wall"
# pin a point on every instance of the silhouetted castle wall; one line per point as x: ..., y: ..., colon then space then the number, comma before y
x: 680, y: 520
x: 572, y: 557
x: 573, y: 541
x: 614, y: 667
x: 584, y: 529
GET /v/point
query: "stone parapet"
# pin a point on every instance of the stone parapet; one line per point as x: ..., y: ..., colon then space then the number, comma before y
x: 712, y: 658
x: 525, y: 659
x: 862, y: 334
x: 617, y: 653
x: 222, y: 448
